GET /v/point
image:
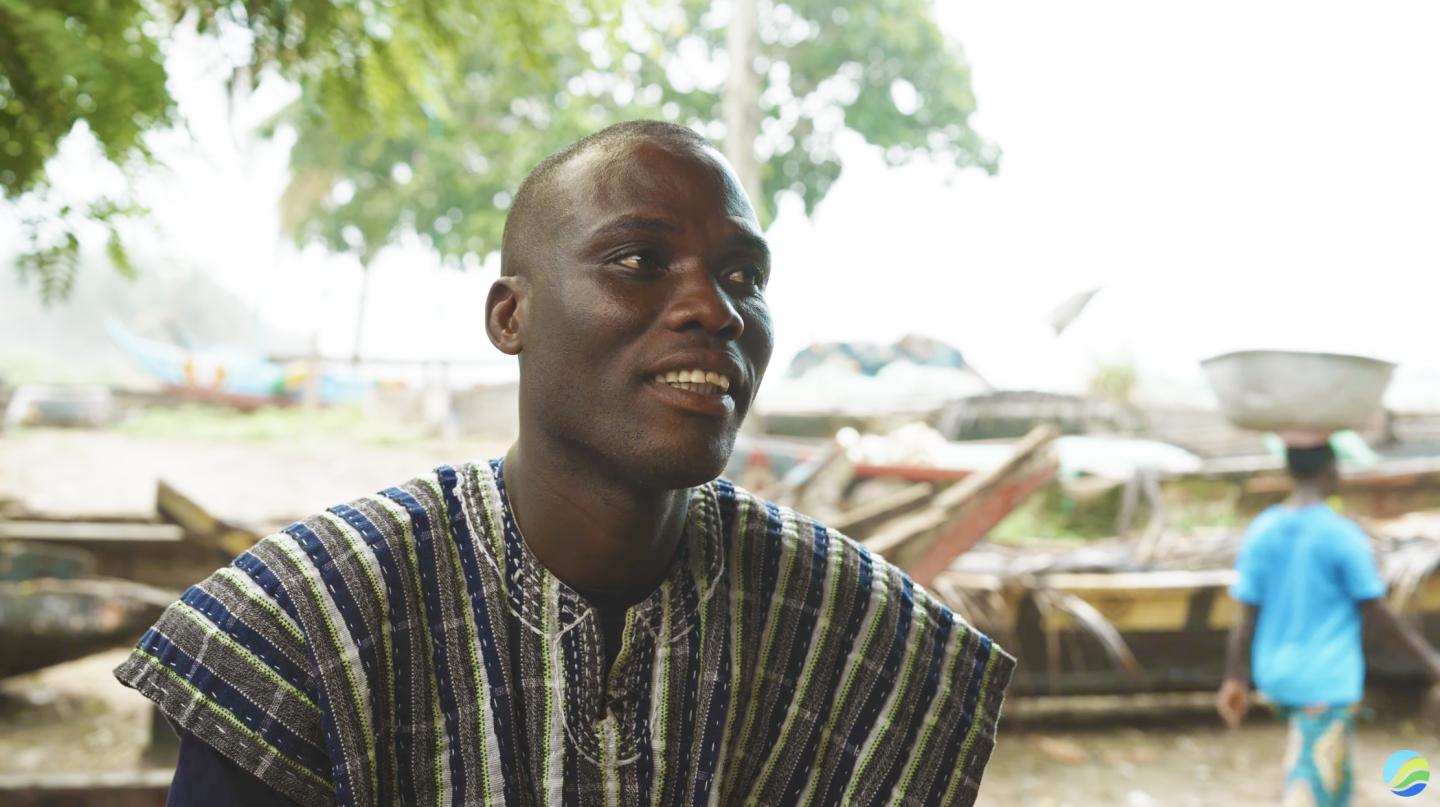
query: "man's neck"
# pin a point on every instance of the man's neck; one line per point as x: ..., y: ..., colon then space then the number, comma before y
x: 588, y: 528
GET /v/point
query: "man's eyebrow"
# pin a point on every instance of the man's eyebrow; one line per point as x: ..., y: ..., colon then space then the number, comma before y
x: 632, y: 224
x: 748, y: 240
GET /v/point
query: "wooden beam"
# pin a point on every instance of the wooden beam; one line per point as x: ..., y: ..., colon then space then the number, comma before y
x: 90, y: 531
x: 199, y: 524
x: 143, y: 788
x: 924, y: 543
x: 973, y: 519
x: 859, y: 520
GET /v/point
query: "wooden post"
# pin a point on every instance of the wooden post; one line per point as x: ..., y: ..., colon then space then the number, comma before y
x: 742, y: 97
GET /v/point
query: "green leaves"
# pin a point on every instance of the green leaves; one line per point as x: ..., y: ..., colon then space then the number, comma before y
x: 462, y: 148
x: 423, y: 116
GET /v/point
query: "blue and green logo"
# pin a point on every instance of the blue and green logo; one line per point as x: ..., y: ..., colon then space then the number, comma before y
x: 1407, y: 773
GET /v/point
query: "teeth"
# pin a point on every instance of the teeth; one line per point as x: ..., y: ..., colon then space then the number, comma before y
x: 695, y: 380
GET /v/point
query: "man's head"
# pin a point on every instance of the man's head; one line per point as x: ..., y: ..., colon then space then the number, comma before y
x: 631, y: 260
x: 1313, y: 466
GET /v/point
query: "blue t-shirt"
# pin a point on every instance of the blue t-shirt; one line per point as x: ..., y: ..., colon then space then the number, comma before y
x: 1307, y: 569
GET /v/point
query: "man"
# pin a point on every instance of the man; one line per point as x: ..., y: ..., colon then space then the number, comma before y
x: 1306, y: 580
x: 595, y: 618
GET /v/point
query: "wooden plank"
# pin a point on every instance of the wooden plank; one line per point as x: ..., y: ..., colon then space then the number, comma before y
x: 141, y: 788
x: 199, y: 525
x: 90, y: 531
x: 973, y: 519
x: 1025, y: 451
x: 859, y: 520
x: 903, y: 530
x: 180, y: 509
x: 1138, y: 581
x: 913, y: 473
x: 924, y: 543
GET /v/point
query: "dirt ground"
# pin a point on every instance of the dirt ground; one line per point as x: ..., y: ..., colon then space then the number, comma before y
x: 1192, y: 762
x: 273, y: 481
x: 72, y: 718
x: 75, y: 718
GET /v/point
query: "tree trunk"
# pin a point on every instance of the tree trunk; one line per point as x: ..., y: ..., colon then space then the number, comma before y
x: 360, y: 311
x: 742, y: 97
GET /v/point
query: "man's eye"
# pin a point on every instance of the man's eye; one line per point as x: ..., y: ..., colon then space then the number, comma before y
x: 748, y: 276
x: 636, y: 261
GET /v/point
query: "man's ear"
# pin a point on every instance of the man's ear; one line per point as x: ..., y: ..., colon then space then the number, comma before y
x: 505, y: 312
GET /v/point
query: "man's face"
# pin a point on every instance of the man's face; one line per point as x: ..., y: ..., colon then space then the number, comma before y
x: 647, y: 331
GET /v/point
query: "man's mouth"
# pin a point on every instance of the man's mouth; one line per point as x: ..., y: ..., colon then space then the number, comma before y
x: 700, y: 381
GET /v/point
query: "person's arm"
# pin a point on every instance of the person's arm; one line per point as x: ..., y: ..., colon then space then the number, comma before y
x: 1234, y: 699
x: 1379, y: 618
x: 206, y: 778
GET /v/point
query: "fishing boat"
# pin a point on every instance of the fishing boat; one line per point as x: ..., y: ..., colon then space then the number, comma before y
x: 50, y: 620
x: 1094, y: 619
x: 244, y: 379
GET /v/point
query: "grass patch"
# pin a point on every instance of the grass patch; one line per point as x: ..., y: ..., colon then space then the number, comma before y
x: 266, y: 424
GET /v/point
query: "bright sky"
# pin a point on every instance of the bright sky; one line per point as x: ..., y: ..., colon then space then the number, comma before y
x: 1234, y: 174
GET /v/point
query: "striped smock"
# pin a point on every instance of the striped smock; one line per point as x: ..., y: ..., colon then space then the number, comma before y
x: 407, y: 649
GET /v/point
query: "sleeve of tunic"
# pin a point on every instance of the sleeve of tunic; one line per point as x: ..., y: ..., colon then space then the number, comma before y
x: 230, y: 666
x: 206, y: 778
x: 959, y: 732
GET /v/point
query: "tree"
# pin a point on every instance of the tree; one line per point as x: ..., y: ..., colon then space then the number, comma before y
x: 62, y: 65
x: 97, y: 66
x: 445, y: 167
x: 423, y: 116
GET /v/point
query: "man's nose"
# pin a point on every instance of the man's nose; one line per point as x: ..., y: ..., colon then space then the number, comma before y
x: 699, y: 301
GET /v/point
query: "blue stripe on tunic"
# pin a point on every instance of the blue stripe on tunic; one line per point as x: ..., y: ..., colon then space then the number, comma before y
x: 972, y: 696
x: 499, y: 700
x: 870, y: 710
x: 799, y: 649
x: 430, y: 591
x: 247, y: 637
x: 570, y: 652
x: 831, y: 681
x: 714, y: 722
x: 921, y: 704
x: 250, y: 714
x: 404, y: 642
x: 268, y: 582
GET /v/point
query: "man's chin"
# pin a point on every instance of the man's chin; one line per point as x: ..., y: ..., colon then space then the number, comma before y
x: 680, y: 467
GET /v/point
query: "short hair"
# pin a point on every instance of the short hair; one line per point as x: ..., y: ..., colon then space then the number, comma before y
x: 532, y: 197
x: 1308, y: 463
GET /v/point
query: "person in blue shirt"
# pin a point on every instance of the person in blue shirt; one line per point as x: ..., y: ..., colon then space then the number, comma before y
x: 1308, y: 587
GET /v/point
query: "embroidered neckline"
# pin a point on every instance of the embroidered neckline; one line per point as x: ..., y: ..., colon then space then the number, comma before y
x: 690, y: 583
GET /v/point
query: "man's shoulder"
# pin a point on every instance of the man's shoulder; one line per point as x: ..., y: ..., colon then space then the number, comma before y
x: 789, y: 532
x: 425, y: 505
x: 422, y: 499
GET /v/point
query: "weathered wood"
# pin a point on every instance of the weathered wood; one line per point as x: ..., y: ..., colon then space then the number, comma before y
x: 903, y: 530
x: 971, y: 520
x: 199, y: 524
x: 89, y: 531
x: 924, y: 543
x: 49, y: 621
x: 24, y: 560
x: 141, y: 788
x: 180, y: 509
x: 857, y: 521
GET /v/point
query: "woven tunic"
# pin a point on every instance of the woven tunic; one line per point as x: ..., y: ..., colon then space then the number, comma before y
x: 408, y: 649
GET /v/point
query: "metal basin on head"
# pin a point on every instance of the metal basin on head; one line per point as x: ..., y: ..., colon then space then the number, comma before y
x: 1276, y: 390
